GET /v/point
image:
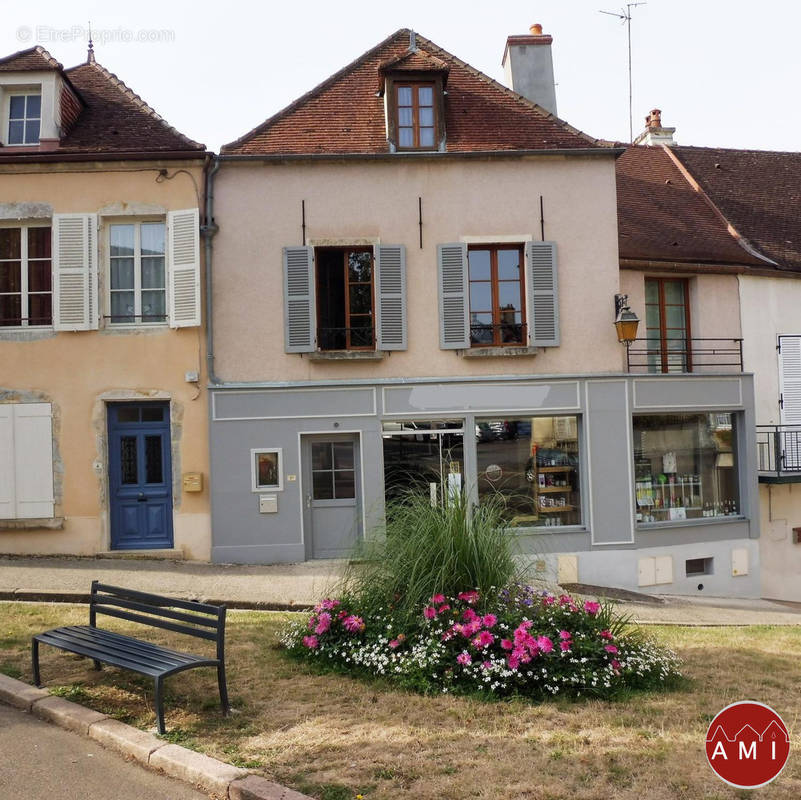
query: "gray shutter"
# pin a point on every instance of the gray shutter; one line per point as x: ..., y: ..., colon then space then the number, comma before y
x: 390, y: 280
x: 454, y: 328
x: 75, y: 272
x: 183, y: 267
x: 299, y: 313
x: 542, y: 296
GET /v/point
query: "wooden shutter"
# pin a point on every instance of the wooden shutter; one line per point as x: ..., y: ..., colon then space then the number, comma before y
x: 390, y: 281
x: 790, y: 379
x: 454, y: 327
x: 7, y: 484
x: 300, y: 319
x: 33, y: 460
x: 183, y: 267
x: 542, y: 294
x: 75, y: 306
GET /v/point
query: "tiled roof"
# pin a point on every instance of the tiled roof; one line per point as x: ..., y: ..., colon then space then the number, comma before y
x: 759, y: 193
x: 662, y: 218
x: 30, y: 60
x: 344, y: 115
x: 116, y: 119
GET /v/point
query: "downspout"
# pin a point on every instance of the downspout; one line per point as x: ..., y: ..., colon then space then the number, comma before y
x: 208, y: 229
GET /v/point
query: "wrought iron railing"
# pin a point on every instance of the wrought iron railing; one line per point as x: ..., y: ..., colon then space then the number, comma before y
x: 779, y: 449
x: 681, y: 354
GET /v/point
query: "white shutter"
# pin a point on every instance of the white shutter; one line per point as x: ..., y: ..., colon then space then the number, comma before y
x: 300, y: 319
x: 183, y: 267
x: 75, y: 272
x: 7, y: 488
x: 790, y: 379
x: 454, y: 327
x: 33, y: 460
x: 390, y: 281
x: 542, y: 294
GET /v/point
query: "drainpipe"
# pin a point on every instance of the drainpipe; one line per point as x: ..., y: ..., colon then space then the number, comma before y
x: 208, y: 229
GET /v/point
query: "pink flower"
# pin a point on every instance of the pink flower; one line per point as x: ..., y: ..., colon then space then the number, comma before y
x: 548, y: 600
x: 342, y: 615
x: 489, y: 620
x: 312, y: 622
x: 592, y: 608
x: 565, y: 646
x: 513, y: 661
x: 438, y: 598
x: 565, y: 635
x: 323, y: 622
x: 430, y: 612
x: 469, y: 615
x: 442, y: 609
x: 545, y: 644
x: 484, y: 639
x: 506, y: 644
x: 486, y: 665
x: 469, y: 597
x: 328, y: 604
x: 394, y: 643
x: 474, y: 626
x: 310, y: 642
x: 564, y: 600
x: 353, y: 624
x: 464, y: 658
x: 610, y: 648
x: 615, y: 664
x: 606, y: 635
x: 525, y: 625
x: 458, y: 628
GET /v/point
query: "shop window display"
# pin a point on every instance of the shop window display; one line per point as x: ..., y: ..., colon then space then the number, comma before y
x: 685, y: 467
x: 532, y: 465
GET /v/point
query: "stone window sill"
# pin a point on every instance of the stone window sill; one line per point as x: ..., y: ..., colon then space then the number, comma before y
x: 499, y: 352
x: 51, y: 523
x: 347, y: 355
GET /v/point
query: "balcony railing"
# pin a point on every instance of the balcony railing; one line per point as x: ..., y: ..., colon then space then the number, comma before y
x: 681, y: 354
x: 779, y: 451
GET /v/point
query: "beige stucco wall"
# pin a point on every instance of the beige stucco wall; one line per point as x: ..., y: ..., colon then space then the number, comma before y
x: 258, y: 209
x: 79, y: 372
x: 780, y: 507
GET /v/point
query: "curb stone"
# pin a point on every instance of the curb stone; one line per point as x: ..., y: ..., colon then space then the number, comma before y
x: 224, y: 780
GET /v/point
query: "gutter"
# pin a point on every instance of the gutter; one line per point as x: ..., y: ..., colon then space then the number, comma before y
x: 209, y: 228
x: 55, y: 156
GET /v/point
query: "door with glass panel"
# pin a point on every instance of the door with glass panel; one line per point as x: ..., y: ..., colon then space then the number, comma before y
x: 332, y: 516
x: 140, y: 476
x: 667, y: 324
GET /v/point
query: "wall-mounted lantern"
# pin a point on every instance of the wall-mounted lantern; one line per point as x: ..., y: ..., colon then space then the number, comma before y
x: 626, y: 321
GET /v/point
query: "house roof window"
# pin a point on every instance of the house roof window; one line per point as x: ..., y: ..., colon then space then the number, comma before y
x: 24, y: 118
x: 416, y: 116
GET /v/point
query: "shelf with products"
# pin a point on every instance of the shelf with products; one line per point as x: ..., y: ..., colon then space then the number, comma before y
x: 676, y: 497
x: 553, y: 489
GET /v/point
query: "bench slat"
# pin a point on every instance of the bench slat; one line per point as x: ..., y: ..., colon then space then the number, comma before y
x: 196, y: 619
x: 155, y: 599
x: 159, y: 623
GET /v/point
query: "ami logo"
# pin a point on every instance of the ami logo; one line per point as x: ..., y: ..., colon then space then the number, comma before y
x: 747, y: 744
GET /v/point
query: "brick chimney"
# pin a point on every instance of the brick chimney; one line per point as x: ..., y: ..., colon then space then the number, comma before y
x: 654, y: 133
x: 528, y: 67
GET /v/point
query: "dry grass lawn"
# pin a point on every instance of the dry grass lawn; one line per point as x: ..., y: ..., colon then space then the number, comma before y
x: 334, y: 737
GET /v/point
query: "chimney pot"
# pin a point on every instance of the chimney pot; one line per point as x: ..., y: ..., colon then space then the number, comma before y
x: 655, y: 133
x: 536, y: 29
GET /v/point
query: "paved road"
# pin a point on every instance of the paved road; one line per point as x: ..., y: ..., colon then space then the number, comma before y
x: 39, y: 761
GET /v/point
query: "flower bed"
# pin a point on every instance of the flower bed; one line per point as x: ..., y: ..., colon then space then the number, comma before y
x: 517, y: 641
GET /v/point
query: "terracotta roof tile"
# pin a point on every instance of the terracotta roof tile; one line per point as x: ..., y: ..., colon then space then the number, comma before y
x: 33, y: 59
x: 344, y: 115
x: 758, y: 191
x: 662, y: 217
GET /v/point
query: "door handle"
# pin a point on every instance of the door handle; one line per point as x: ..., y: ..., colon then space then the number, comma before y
x: 308, y: 501
x: 141, y: 498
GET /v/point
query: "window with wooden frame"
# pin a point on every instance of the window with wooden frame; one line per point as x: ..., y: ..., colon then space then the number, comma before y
x: 26, y: 276
x: 415, y: 115
x: 667, y: 324
x: 24, y: 118
x: 497, y: 295
x: 345, y: 298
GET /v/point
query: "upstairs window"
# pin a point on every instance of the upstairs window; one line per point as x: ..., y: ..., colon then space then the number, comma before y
x: 497, y: 297
x: 24, y: 118
x: 137, y: 287
x: 26, y: 277
x: 415, y: 116
x: 345, y: 298
x: 667, y: 324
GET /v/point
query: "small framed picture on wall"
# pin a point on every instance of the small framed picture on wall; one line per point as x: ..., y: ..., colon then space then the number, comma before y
x: 266, y: 469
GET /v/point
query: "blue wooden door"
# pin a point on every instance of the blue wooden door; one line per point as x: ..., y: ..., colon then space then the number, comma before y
x: 140, y: 476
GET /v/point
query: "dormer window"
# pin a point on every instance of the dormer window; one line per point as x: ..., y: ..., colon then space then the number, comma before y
x: 416, y: 116
x: 24, y: 118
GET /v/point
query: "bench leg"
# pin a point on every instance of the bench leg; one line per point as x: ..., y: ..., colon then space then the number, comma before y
x: 226, y: 708
x: 35, y: 662
x: 98, y: 665
x: 160, y: 705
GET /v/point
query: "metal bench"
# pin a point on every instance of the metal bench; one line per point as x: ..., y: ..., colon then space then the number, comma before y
x: 203, y: 620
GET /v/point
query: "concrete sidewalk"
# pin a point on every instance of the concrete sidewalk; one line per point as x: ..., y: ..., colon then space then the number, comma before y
x: 297, y: 586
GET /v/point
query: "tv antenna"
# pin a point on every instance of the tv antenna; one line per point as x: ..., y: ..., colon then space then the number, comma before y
x: 624, y: 15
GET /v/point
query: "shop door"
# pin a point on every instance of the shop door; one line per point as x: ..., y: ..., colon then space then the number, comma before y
x: 332, y: 494
x: 140, y: 476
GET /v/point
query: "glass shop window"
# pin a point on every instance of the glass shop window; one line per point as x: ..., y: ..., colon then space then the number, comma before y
x: 532, y: 465
x: 685, y: 467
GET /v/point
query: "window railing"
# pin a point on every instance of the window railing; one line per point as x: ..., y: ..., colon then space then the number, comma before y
x: 346, y: 338
x: 779, y: 449
x: 503, y: 333
x: 682, y: 354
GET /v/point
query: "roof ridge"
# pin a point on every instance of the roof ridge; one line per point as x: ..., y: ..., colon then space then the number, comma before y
x: 35, y: 49
x: 330, y: 80
x: 513, y: 94
x: 739, y: 150
x: 126, y: 90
